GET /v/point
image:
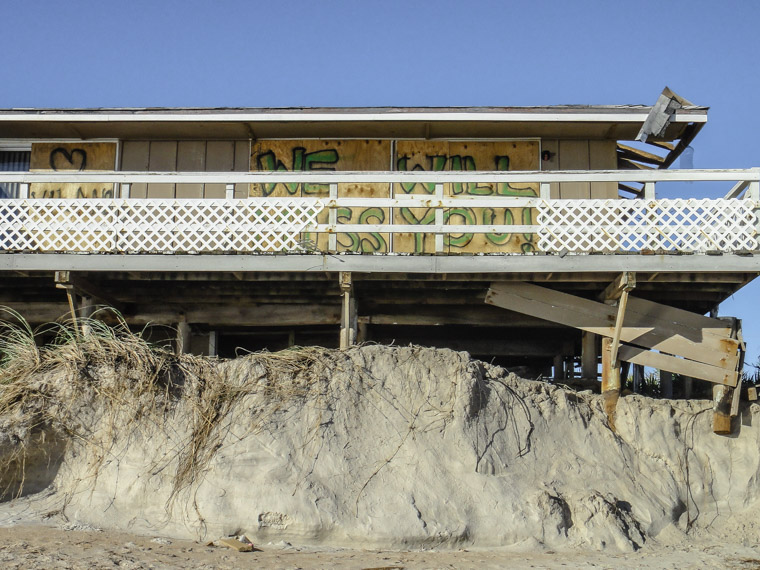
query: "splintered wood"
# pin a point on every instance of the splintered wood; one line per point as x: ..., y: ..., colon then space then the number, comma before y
x: 685, y: 343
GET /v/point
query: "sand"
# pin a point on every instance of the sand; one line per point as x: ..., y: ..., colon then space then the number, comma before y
x: 374, y: 457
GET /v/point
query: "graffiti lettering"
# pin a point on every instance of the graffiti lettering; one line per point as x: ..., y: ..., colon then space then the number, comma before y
x: 427, y: 218
x: 80, y: 193
x: 357, y: 242
x: 57, y: 155
x: 463, y: 163
x: 468, y: 216
x: 489, y: 218
x: 465, y: 217
x: 302, y: 161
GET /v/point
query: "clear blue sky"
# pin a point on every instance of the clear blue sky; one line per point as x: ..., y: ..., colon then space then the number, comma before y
x: 356, y: 53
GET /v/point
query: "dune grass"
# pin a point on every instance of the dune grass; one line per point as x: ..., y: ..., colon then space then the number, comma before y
x: 51, y: 377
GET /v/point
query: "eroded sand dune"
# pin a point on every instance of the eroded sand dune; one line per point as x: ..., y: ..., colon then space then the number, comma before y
x: 375, y: 446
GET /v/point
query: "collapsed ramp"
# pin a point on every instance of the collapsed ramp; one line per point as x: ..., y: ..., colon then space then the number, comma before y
x: 642, y: 332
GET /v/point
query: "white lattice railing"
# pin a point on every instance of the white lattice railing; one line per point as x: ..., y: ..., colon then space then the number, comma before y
x: 606, y: 226
x: 155, y: 226
x: 251, y: 225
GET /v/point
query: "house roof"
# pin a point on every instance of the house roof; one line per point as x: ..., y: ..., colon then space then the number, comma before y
x: 606, y: 122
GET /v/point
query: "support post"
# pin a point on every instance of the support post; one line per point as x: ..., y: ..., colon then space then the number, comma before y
x: 86, y: 309
x: 589, y: 356
x: 688, y: 385
x: 229, y: 192
x: 638, y: 378
x: 618, y: 291
x: 348, y: 313
x: 666, y: 384
x: 722, y: 396
x: 610, y: 381
x: 569, y: 368
x: 213, y: 343
x: 362, y: 329
x: 63, y: 281
x: 559, y: 368
x: 183, y: 337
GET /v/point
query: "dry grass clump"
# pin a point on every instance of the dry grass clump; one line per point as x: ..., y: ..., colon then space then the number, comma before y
x: 58, y: 383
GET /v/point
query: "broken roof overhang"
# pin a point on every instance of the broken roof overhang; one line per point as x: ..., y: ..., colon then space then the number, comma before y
x: 565, y: 121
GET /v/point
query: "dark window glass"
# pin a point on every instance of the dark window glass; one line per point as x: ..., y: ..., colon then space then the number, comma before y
x: 12, y: 161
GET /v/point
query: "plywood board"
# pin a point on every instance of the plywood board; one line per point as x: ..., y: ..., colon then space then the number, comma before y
x: 645, y: 324
x: 425, y: 156
x: 463, y: 156
x: 309, y: 155
x: 72, y: 157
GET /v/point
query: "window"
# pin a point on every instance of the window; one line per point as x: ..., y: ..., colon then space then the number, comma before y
x: 12, y: 161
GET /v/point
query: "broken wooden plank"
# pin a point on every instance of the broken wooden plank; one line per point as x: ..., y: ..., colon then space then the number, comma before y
x: 661, y: 144
x: 236, y: 544
x: 640, y: 155
x: 635, y: 191
x: 648, y: 324
x: 677, y: 365
x: 626, y: 164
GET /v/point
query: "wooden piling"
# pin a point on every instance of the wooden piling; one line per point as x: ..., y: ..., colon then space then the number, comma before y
x: 722, y: 397
x: 610, y: 381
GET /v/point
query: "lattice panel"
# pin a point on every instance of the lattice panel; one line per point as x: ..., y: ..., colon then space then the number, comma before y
x: 684, y: 225
x: 155, y: 226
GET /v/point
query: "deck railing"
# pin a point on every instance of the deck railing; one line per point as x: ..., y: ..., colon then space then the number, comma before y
x: 430, y: 219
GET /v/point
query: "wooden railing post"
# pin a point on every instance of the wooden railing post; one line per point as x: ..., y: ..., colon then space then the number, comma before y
x: 332, y: 219
x: 439, y: 218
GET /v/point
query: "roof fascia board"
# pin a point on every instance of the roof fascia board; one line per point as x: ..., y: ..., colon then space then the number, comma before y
x: 603, y: 117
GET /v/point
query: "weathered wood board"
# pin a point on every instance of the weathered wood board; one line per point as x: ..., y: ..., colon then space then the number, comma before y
x: 185, y: 156
x: 673, y: 332
x: 437, y: 156
x: 72, y: 157
x: 310, y: 155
